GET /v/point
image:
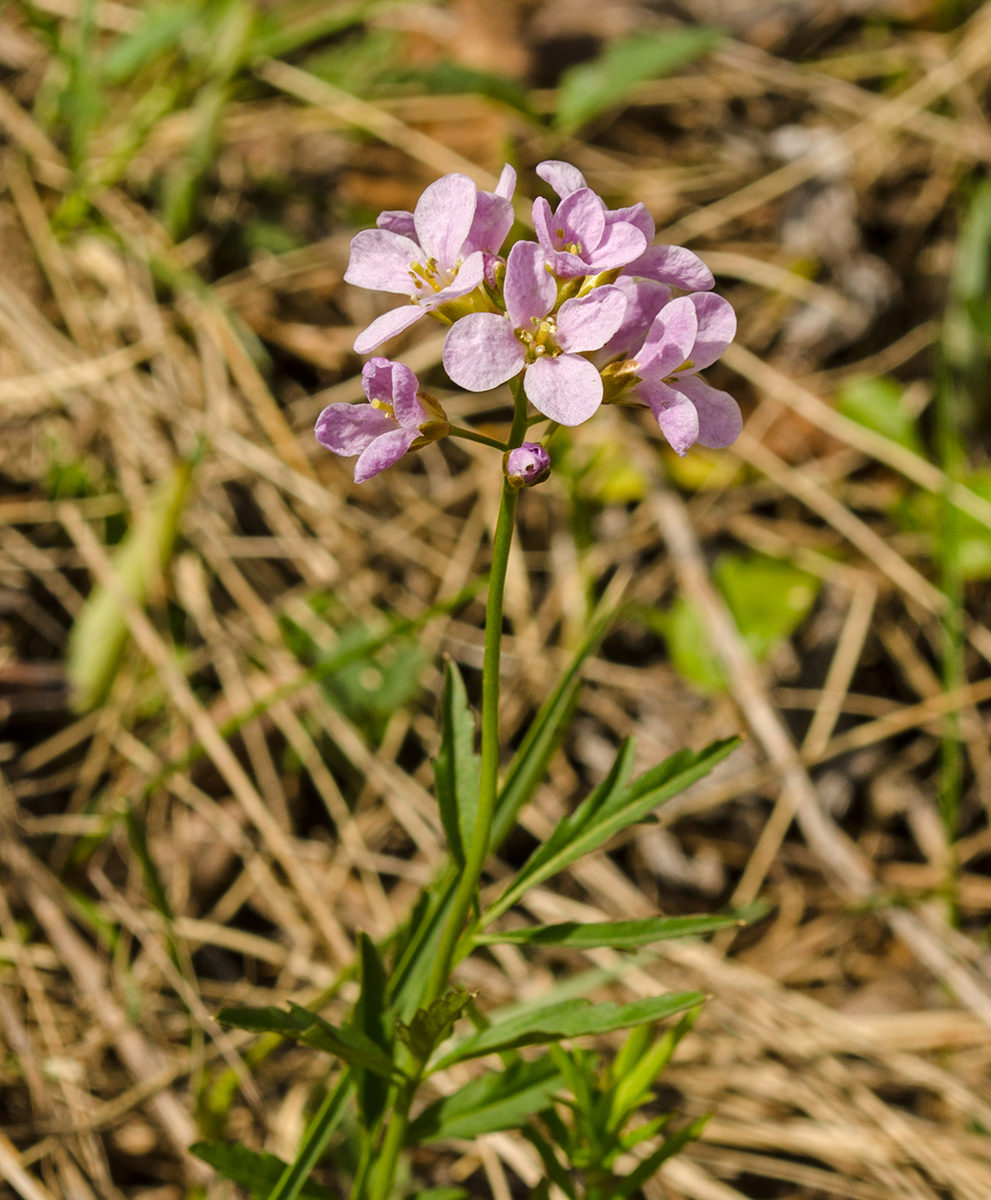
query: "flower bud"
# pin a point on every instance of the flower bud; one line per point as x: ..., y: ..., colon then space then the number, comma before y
x: 527, y: 465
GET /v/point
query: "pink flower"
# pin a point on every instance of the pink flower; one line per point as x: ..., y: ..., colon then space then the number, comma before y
x: 671, y: 265
x: 398, y: 418
x: 686, y: 336
x: 431, y: 268
x: 485, y: 349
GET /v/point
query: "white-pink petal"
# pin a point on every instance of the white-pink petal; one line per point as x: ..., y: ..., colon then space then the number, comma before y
x: 529, y: 289
x: 717, y: 328
x: 675, y: 414
x: 443, y: 217
x: 381, y: 260
x: 388, y: 325
x: 568, y: 389
x: 675, y: 266
x: 562, y: 176
x: 481, y: 351
x: 469, y: 276
x: 719, y: 417
x: 384, y: 452
x: 670, y: 338
x: 507, y: 183
x: 351, y: 428
x: 587, y: 322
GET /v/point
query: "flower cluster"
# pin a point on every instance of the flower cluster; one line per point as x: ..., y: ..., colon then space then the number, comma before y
x: 585, y: 314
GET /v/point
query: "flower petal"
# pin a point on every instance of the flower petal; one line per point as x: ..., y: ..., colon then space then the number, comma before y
x: 384, y: 452
x: 469, y: 276
x: 588, y: 322
x: 542, y: 219
x: 636, y: 215
x: 621, y: 243
x: 493, y: 220
x: 582, y: 217
x: 717, y: 328
x: 530, y: 290
x: 673, y: 265
x: 670, y: 338
x: 443, y: 217
x: 644, y: 300
x: 568, y: 389
x: 562, y: 176
x: 720, y: 421
x: 388, y: 325
x: 568, y: 266
x: 674, y: 413
x: 481, y: 351
x: 381, y: 260
x: 397, y: 221
x: 507, y: 183
x: 395, y: 384
x: 351, y: 428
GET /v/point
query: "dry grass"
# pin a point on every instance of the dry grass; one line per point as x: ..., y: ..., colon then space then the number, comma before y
x: 846, y: 1048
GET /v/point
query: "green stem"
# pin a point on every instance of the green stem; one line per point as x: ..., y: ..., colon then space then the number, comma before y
x: 470, y: 435
x: 395, y: 1136
x: 489, y: 775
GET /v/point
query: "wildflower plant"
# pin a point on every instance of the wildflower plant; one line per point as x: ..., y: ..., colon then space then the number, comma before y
x: 585, y: 315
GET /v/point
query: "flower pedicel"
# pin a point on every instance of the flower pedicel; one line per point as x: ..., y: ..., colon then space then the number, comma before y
x: 581, y: 317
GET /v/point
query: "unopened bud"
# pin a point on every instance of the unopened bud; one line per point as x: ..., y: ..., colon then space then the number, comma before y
x: 527, y: 465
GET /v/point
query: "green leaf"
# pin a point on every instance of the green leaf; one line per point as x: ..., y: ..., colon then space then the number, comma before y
x: 612, y: 806
x: 610, y: 933
x: 876, y: 402
x: 652, y: 1164
x: 591, y: 88
x: 688, y: 645
x: 302, y: 1025
x: 769, y: 598
x: 441, y: 1193
x: 432, y: 1025
x: 456, y: 768
x: 161, y: 30
x: 369, y: 1019
x: 259, y: 1173
x: 922, y: 512
x: 99, y: 633
x: 495, y: 1101
x: 570, y: 1018
x: 531, y: 760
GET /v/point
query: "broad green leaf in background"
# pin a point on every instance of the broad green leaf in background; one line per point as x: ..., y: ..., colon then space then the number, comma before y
x: 304, y: 1026
x: 259, y: 1173
x: 456, y: 768
x: 494, y: 1101
x: 569, y: 1019
x: 99, y: 633
x: 876, y: 402
x: 587, y: 90
x: 610, y: 933
x: 768, y: 598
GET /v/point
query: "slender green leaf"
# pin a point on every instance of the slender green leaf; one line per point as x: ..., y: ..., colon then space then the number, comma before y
x: 531, y: 760
x: 591, y: 88
x: 495, y: 1101
x: 456, y: 768
x: 610, y: 933
x: 441, y: 1193
x: 304, y: 1026
x: 369, y: 1019
x: 432, y: 1025
x: 610, y: 808
x: 652, y: 1164
x: 552, y: 1165
x: 259, y: 1173
x: 571, y: 1018
x: 318, y: 1133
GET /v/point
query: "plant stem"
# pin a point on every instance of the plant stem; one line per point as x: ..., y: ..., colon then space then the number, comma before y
x: 470, y: 435
x: 315, y: 1141
x: 489, y: 777
x: 388, y: 1158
